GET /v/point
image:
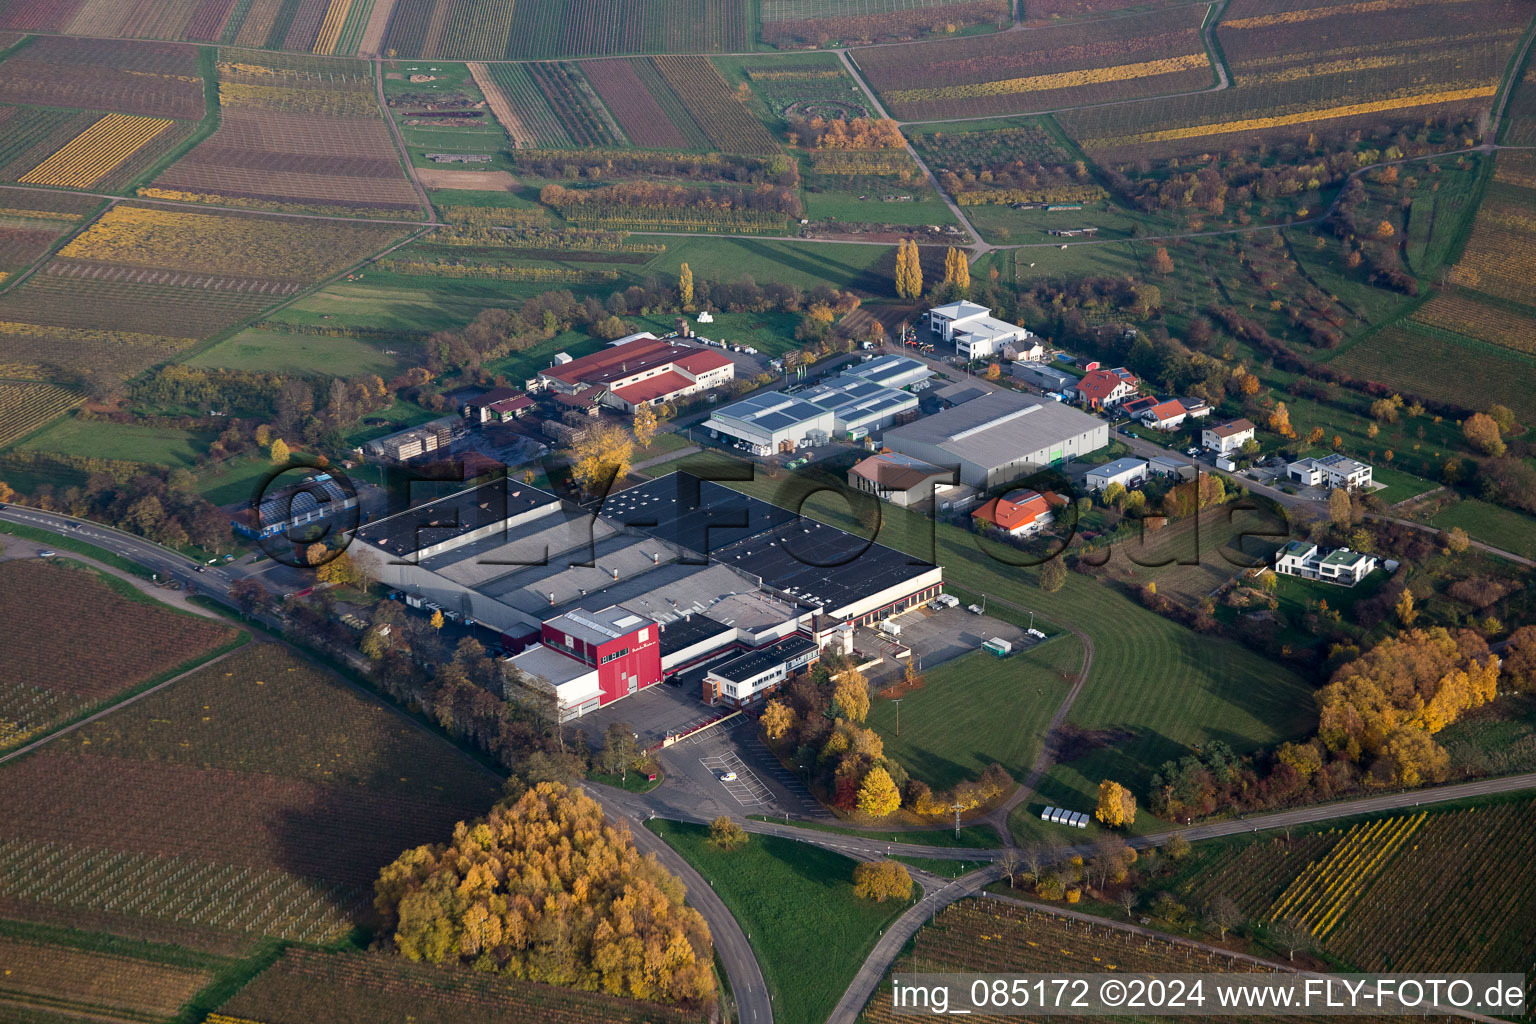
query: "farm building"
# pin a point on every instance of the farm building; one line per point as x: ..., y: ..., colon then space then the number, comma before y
x: 1020, y: 512
x: 769, y: 422
x: 644, y: 371
x: 1000, y: 437
x: 861, y: 407
x: 974, y: 331
x: 1125, y: 472
x: 1306, y: 560
x: 498, y: 405
x: 1104, y: 388
x: 1330, y: 471
x: 900, y: 479
x: 890, y: 371
x: 306, y: 503
x: 1227, y: 437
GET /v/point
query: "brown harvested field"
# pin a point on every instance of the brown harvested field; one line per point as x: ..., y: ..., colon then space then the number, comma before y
x: 259, y: 796
x: 1043, y: 69
x: 341, y: 988
x: 797, y: 23
x: 474, y: 181
x: 372, y: 44
x: 120, y: 644
x: 633, y: 105
x: 150, y: 79
x: 1049, y: 10
x: 75, y: 981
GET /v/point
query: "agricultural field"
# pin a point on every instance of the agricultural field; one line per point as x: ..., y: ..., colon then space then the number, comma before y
x: 796, y: 902
x: 31, y: 222
x: 1351, y: 887
x: 790, y: 24
x: 546, y: 29
x: 1519, y: 125
x: 318, y: 26
x: 1321, y: 68
x: 547, y: 105
x: 976, y: 711
x: 1043, y: 11
x: 259, y: 796
x: 27, y: 405
x: 300, y: 134
x: 159, y: 80
x: 305, y: 986
x: 1495, y: 263
x: 91, y: 985
x: 126, y: 642
x: 1045, y: 69
x: 139, y: 292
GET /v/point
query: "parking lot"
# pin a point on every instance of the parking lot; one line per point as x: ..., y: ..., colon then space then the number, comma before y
x: 746, y: 788
x: 935, y: 636
x: 654, y: 713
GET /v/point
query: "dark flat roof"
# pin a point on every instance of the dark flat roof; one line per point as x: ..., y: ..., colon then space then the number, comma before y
x: 817, y: 564
x: 685, y: 632
x: 755, y: 663
x: 433, y: 522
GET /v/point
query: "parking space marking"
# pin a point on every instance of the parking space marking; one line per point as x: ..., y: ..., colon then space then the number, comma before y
x: 747, y: 789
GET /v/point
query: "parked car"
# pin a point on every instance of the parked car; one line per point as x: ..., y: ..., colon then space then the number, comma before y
x: 727, y: 776
x: 46, y: 553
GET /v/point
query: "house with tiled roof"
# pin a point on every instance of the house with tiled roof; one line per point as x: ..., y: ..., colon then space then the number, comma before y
x: 1020, y: 512
x: 1227, y: 437
x: 1100, y: 389
x: 1165, y: 415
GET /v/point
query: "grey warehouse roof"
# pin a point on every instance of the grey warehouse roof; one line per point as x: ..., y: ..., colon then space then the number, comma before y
x: 998, y: 428
x: 851, y: 399
x: 770, y: 411
x: 437, y: 521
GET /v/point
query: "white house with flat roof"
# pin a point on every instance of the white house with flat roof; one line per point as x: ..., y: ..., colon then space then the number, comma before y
x: 1306, y: 560
x: 1330, y: 471
x: 974, y: 331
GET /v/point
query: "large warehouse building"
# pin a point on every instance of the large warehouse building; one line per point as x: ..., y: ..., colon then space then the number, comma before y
x: 769, y: 422
x: 683, y: 573
x: 1000, y: 437
x: 645, y: 371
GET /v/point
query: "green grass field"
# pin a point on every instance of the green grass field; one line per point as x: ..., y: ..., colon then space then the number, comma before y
x: 866, y: 268
x: 1501, y: 527
x: 797, y: 906
x: 279, y: 352
x: 846, y: 206
x: 103, y: 439
x: 977, y: 710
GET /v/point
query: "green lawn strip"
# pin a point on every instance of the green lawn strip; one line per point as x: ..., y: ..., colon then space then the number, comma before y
x: 265, y: 351
x: 80, y: 547
x: 803, y: 264
x: 972, y: 837
x: 797, y: 906
x: 942, y: 868
x: 105, y: 439
x: 1501, y: 527
x: 977, y: 710
x: 634, y: 782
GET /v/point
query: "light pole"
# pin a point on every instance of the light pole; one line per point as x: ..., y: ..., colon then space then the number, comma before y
x: 897, y: 702
x: 957, y: 808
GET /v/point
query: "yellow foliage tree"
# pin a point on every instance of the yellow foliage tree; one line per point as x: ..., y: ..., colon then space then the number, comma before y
x: 778, y: 719
x: 644, y: 426
x: 1117, y: 807
x: 437, y: 620
x: 851, y: 695
x: 602, y: 457
x: 881, y: 881
x: 878, y: 796
x: 957, y: 269
x: 909, y: 270
x: 279, y: 452
x: 685, y: 286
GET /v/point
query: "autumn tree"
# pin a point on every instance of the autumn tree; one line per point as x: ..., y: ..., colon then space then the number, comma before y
x: 1404, y: 609
x: 909, y: 270
x: 878, y: 796
x: 1161, y: 261
x: 602, y: 457
x: 545, y: 889
x: 1053, y: 575
x: 436, y: 621
x: 957, y: 270
x: 1280, y: 421
x: 1501, y: 415
x: 1519, y: 670
x: 881, y: 881
x: 850, y: 696
x: 1224, y: 914
x: 644, y: 426
x: 725, y: 834
x: 279, y: 452
x: 1117, y: 807
x: 685, y: 286
x: 620, y: 750
x: 340, y: 571
x: 1457, y: 541
x: 1340, y: 509
x: 1482, y: 433
x: 778, y: 720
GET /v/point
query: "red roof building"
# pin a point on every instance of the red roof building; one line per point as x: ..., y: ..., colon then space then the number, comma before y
x: 641, y: 372
x: 1165, y: 415
x: 1020, y: 512
x: 1100, y: 388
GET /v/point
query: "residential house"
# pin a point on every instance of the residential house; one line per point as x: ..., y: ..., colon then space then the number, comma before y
x: 1306, y: 560
x: 1330, y: 471
x: 974, y: 331
x: 1103, y: 388
x: 1020, y: 512
x: 1165, y: 415
x: 1227, y: 437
